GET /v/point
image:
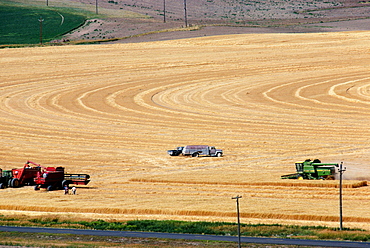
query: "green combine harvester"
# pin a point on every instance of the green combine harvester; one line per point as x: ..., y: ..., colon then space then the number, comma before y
x: 313, y: 170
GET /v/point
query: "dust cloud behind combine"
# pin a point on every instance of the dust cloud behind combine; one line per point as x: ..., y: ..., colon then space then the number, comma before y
x: 268, y: 100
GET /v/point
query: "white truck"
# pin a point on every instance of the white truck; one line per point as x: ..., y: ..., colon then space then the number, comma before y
x: 196, y: 151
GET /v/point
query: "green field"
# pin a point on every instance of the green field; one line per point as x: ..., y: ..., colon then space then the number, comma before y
x: 20, y: 23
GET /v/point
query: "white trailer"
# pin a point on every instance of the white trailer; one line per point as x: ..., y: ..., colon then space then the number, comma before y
x: 201, y: 150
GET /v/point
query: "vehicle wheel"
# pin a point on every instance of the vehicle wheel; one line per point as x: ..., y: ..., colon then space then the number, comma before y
x: 219, y: 154
x: 299, y: 177
x: 2, y: 186
x: 15, y: 183
x: 195, y: 154
x: 64, y: 183
x: 37, y: 187
x: 49, y: 188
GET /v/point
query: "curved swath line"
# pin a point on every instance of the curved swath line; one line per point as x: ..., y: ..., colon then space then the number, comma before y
x: 25, y: 88
x: 167, y: 102
x: 44, y: 123
x: 213, y: 93
x: 33, y: 103
x: 297, y: 94
x: 194, y: 98
x: 83, y: 116
x: 190, y: 97
x: 118, y: 118
x: 76, y: 129
x: 364, y: 91
x: 233, y: 97
x: 228, y: 115
x: 16, y: 95
x: 84, y: 95
x: 265, y: 93
x: 111, y: 101
x: 236, y: 107
x: 174, y: 99
x: 332, y: 92
x: 139, y: 99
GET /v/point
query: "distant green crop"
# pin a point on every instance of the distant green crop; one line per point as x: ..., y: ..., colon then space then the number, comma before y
x: 21, y: 25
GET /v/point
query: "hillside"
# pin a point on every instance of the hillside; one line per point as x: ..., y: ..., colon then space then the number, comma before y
x: 117, y: 19
x: 223, y: 17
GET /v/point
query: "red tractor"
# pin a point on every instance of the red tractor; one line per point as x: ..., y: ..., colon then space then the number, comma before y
x: 25, y: 175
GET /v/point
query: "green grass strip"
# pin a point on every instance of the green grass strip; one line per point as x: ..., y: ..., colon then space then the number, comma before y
x: 198, y: 227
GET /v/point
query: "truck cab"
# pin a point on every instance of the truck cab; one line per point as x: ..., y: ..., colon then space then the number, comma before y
x: 175, y: 152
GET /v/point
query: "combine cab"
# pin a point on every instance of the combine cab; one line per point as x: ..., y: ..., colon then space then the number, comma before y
x: 313, y: 170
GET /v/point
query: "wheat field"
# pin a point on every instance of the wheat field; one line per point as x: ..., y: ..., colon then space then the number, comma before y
x: 267, y: 100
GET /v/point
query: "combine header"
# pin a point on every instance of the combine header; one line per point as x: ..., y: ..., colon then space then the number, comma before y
x: 313, y: 170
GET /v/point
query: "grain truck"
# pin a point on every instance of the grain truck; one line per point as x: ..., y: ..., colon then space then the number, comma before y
x: 201, y: 150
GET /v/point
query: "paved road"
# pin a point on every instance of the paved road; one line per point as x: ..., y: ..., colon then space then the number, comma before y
x: 254, y: 240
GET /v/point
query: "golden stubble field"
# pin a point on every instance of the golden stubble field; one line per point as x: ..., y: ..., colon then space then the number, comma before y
x: 268, y: 100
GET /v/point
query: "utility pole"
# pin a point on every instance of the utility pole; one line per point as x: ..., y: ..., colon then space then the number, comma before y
x: 41, y: 20
x: 185, y: 14
x: 237, y: 210
x: 164, y: 11
x: 96, y: 6
x: 341, y: 170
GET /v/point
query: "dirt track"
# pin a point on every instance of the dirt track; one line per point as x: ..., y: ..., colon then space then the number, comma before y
x: 112, y: 111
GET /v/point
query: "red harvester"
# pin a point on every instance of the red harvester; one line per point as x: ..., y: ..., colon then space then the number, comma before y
x: 45, y: 177
x: 54, y: 178
x: 24, y: 176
